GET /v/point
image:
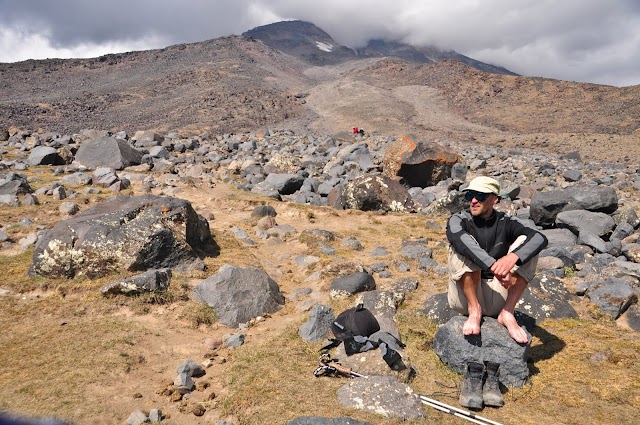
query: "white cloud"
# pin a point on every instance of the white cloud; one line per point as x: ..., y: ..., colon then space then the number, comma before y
x: 39, y: 46
x: 581, y: 40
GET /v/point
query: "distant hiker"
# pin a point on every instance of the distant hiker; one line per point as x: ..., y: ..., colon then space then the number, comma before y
x: 492, y: 258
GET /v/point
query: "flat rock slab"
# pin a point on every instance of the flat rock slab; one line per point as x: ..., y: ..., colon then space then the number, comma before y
x: 382, y: 395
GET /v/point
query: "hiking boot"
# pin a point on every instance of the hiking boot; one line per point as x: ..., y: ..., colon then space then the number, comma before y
x: 471, y: 392
x: 491, y: 394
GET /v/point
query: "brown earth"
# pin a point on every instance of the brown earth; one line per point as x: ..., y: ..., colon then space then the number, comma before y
x: 235, y: 84
x: 69, y: 352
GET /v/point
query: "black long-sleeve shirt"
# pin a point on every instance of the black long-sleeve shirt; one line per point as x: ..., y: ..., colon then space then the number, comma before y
x: 484, y: 241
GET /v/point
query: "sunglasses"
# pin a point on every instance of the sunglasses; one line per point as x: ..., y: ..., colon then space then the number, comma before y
x: 480, y: 197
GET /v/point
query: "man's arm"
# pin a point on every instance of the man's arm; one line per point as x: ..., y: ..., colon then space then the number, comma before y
x: 534, y: 243
x: 465, y: 244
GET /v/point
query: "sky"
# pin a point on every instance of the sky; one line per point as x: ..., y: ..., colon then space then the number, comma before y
x: 595, y: 41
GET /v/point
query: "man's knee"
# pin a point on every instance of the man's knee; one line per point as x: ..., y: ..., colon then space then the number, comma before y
x: 517, y: 278
x: 471, y: 277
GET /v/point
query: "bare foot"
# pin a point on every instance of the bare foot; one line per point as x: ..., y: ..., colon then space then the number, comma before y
x: 508, y: 320
x: 472, y: 325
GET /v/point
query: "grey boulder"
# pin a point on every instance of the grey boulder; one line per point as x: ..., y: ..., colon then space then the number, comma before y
x: 545, y: 206
x: 238, y: 294
x: 319, y: 324
x: 108, y: 152
x: 493, y: 344
x: 345, y: 286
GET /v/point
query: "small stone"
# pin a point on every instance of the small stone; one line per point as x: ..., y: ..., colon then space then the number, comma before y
x: 212, y: 343
x: 137, y: 395
x: 202, y: 385
x: 198, y: 410
x: 155, y: 415
x: 175, y: 396
x: 137, y: 418
x: 69, y: 208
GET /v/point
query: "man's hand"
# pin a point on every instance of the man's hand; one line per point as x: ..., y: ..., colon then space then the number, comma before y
x: 502, y: 268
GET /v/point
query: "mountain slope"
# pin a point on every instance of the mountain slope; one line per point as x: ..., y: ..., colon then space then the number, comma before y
x: 238, y: 84
x: 227, y: 84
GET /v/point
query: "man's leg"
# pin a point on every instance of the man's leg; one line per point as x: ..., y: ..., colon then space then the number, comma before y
x: 464, y: 292
x: 501, y: 302
x: 470, y: 282
x: 506, y: 316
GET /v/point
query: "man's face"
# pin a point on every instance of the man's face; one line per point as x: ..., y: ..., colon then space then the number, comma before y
x: 481, y: 204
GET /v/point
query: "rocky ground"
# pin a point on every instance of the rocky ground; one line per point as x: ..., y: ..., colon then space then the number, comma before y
x: 227, y: 114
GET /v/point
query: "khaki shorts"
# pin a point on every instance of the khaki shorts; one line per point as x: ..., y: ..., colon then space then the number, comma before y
x: 491, y: 294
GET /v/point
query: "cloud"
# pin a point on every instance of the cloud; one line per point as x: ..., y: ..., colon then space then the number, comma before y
x: 580, y: 40
x: 39, y: 46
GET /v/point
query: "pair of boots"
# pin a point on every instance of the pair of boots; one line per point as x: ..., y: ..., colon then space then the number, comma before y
x: 480, y: 386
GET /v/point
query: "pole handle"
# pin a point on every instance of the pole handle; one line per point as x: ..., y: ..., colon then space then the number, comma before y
x: 342, y: 369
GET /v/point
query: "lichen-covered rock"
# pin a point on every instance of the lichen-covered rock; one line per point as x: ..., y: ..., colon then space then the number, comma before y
x: 381, y: 395
x: 371, y: 193
x: 130, y: 233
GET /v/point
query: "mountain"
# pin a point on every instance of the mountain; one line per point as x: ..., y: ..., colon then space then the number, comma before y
x: 309, y: 84
x: 302, y: 40
x: 306, y: 41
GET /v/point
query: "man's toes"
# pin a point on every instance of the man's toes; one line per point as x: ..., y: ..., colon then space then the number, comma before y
x: 519, y: 335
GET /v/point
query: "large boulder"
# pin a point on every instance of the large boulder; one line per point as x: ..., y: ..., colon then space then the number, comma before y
x: 545, y: 206
x: 546, y: 297
x: 419, y: 164
x: 578, y: 221
x: 44, y: 155
x: 14, y: 184
x: 493, y: 344
x: 238, y: 294
x: 108, y: 152
x: 130, y: 233
x: 371, y: 193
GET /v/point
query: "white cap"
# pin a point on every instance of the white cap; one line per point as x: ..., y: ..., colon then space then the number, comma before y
x: 484, y: 184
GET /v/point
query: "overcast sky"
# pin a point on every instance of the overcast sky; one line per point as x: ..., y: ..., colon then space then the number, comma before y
x: 577, y: 40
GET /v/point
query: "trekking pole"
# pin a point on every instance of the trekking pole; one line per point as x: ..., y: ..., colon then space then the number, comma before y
x: 456, y: 412
x: 327, y: 365
x: 332, y: 368
x: 345, y: 370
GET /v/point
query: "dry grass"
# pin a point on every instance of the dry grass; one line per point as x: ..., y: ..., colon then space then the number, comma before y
x: 273, y: 383
x: 66, y: 344
x: 54, y: 350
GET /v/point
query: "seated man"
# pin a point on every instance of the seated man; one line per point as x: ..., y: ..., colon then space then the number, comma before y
x: 492, y: 258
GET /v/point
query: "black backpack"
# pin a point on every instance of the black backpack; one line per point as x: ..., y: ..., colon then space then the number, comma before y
x: 356, y: 321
